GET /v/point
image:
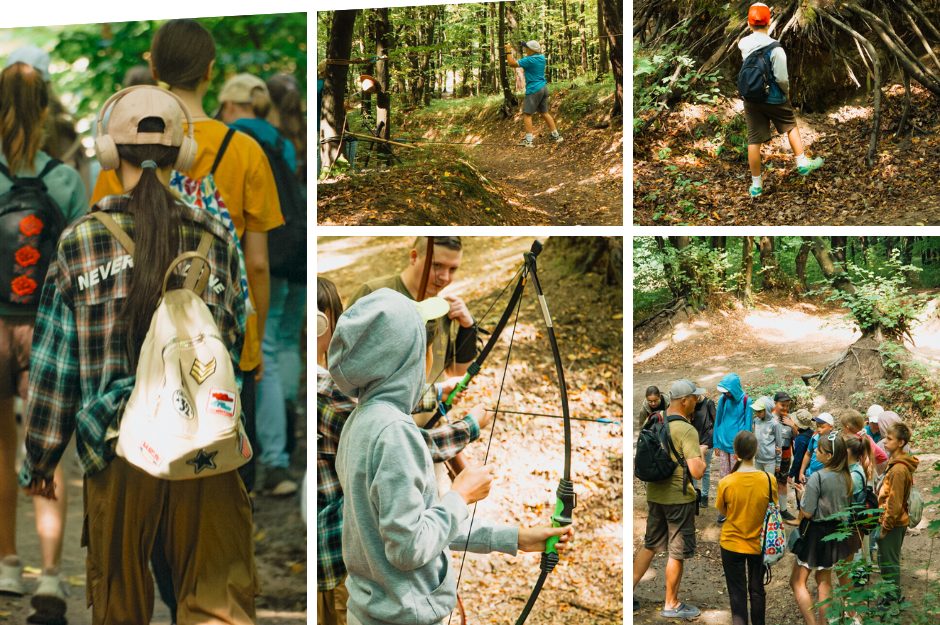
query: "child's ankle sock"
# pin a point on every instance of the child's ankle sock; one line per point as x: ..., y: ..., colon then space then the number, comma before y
x: 756, y: 181
x: 801, y: 160
x: 528, y: 136
x: 555, y: 133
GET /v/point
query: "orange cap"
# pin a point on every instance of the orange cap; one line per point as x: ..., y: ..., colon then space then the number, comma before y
x: 758, y: 15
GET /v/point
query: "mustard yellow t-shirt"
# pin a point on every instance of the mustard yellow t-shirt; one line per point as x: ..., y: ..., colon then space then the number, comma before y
x: 245, y: 180
x: 745, y: 495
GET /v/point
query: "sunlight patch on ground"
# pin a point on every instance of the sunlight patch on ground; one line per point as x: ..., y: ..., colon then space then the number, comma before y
x: 783, y: 326
x: 847, y: 113
x: 652, y: 351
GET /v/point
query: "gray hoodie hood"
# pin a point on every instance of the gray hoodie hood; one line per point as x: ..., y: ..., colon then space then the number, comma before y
x: 378, y: 350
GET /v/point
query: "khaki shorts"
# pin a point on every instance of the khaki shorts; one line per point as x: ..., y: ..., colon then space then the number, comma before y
x: 205, y: 527
x: 759, y: 117
x: 671, y: 527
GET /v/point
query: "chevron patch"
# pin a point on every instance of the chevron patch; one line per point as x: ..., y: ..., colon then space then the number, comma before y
x: 201, y: 371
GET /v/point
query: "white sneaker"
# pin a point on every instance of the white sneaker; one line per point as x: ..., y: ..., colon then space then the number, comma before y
x: 11, y: 577
x: 555, y: 138
x: 49, y: 600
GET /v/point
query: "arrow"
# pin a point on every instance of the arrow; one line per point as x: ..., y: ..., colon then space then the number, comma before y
x: 553, y: 416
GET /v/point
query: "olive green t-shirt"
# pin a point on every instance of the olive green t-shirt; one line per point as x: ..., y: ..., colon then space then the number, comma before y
x: 444, y: 323
x: 685, y: 440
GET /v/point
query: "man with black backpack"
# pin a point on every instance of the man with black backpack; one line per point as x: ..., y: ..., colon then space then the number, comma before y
x: 672, y: 498
x: 764, y: 86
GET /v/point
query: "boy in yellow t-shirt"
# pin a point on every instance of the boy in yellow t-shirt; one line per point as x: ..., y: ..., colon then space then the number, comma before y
x: 743, y: 497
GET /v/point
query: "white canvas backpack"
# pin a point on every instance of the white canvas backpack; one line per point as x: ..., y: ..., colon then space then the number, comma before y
x: 183, y: 418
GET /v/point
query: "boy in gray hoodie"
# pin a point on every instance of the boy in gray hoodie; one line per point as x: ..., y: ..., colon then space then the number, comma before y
x: 777, y: 108
x: 769, y: 436
x: 397, y: 531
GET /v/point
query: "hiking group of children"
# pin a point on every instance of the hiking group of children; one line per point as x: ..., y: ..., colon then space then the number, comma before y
x: 865, y: 470
x: 385, y: 523
x: 86, y: 299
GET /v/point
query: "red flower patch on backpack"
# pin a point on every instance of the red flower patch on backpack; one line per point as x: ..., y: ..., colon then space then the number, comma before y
x: 27, y: 256
x: 23, y: 286
x: 31, y: 225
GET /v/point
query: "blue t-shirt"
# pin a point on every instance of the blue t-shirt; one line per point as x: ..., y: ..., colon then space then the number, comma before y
x: 534, y: 68
x: 814, y: 463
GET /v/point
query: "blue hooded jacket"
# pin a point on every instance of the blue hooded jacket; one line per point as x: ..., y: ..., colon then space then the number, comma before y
x: 731, y: 417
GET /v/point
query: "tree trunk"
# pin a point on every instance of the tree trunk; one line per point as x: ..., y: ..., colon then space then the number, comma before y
x: 770, y: 270
x: 484, y: 63
x: 603, y: 66
x: 383, y: 102
x: 747, y: 270
x: 718, y: 243
x: 828, y: 265
x: 801, y: 257
x: 684, y: 287
x: 613, y: 23
x: 334, y: 86
x: 513, y: 26
x: 839, y: 248
x: 510, y: 103
x: 494, y: 75
x: 584, y: 65
x: 564, y: 18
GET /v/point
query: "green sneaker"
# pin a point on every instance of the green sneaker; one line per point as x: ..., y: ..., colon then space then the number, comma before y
x: 756, y: 191
x: 811, y: 165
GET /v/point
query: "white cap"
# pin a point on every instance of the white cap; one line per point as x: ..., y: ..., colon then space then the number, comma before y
x: 874, y: 411
x: 35, y: 57
x: 825, y: 418
x: 722, y: 389
x: 533, y: 45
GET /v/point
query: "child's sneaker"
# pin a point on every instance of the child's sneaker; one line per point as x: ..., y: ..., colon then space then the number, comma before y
x: 49, y: 600
x: 756, y: 191
x: 811, y: 165
x: 526, y: 143
x: 11, y: 577
x: 555, y: 138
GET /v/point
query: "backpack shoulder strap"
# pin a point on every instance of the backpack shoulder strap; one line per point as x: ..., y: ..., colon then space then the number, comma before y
x: 52, y: 164
x: 218, y: 157
x: 116, y: 230
x: 197, y: 279
x: 6, y: 172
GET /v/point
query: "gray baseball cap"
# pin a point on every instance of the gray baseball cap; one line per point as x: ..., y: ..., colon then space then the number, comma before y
x: 684, y: 388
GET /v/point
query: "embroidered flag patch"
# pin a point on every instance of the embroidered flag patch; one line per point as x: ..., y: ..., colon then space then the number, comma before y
x: 243, y: 447
x: 149, y: 454
x: 221, y: 402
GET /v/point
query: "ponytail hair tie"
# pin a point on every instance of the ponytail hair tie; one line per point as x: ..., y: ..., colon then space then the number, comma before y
x: 148, y: 165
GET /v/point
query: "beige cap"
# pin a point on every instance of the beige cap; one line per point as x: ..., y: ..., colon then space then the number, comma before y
x: 139, y: 104
x: 238, y: 88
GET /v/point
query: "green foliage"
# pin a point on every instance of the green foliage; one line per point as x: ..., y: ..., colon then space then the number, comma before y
x: 653, y: 72
x: 770, y: 383
x: 90, y: 60
x: 912, y: 385
x: 699, y: 268
x: 882, y: 300
x: 730, y: 135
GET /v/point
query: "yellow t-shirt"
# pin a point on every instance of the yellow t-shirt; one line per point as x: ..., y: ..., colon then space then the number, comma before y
x: 245, y: 180
x: 746, y: 497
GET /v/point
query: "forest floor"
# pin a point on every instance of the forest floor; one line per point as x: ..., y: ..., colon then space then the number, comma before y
x: 477, y: 175
x: 686, y: 170
x: 586, y: 587
x: 790, y: 339
x: 280, y: 538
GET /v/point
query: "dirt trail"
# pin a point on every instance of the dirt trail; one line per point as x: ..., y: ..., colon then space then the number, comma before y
x: 576, y: 182
x: 790, y: 339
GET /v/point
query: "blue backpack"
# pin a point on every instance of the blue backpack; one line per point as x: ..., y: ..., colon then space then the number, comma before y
x: 756, y: 75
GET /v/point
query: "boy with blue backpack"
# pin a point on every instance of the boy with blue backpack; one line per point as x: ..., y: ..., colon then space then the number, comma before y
x: 764, y: 86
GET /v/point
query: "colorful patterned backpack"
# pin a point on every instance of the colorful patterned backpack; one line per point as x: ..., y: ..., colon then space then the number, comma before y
x: 772, y: 537
x: 202, y: 193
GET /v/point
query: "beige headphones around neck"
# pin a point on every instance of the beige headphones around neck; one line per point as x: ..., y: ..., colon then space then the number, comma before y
x: 106, y: 148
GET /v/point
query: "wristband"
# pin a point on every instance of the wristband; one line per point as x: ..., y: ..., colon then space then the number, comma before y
x: 466, y: 344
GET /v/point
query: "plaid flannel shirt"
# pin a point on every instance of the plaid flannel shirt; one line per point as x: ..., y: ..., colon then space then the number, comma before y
x: 333, y: 408
x: 80, y: 377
